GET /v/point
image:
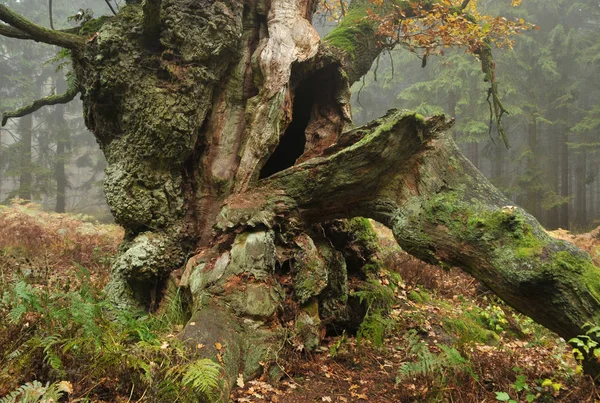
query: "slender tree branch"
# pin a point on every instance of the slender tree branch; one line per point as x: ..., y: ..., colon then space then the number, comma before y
x: 464, y: 4
x: 50, y: 14
x: 10, y: 32
x: 67, y: 97
x: 41, y: 34
x: 110, y: 6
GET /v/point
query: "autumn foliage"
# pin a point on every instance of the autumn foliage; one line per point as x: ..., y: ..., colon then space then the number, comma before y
x: 32, y: 241
x: 429, y: 28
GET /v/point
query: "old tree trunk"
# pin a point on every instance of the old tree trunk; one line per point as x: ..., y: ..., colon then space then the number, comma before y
x: 227, y: 129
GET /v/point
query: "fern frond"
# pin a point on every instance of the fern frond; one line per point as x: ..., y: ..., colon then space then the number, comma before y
x: 202, y: 376
x: 34, y: 392
x: 15, y: 314
x: 50, y: 356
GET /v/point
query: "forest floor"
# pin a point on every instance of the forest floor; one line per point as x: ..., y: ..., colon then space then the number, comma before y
x: 446, y: 339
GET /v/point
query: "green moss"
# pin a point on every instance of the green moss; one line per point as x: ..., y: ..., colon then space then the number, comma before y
x: 375, y: 296
x: 351, y: 31
x: 419, y: 297
x: 570, y: 265
x: 308, y: 325
x: 93, y: 25
x: 571, y: 262
x: 474, y: 222
x: 364, y: 233
x: 310, y: 274
x: 468, y: 329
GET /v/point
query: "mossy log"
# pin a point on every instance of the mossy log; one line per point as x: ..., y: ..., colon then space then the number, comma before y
x: 407, y: 173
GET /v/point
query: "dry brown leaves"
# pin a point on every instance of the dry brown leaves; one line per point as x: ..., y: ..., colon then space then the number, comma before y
x: 33, y: 241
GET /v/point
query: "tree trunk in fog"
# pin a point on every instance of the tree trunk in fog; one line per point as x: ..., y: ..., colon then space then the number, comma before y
x: 532, y: 198
x: 231, y: 160
x: 25, y: 158
x: 498, y: 165
x: 580, y: 190
x: 565, y: 220
x: 475, y: 154
x: 60, y: 175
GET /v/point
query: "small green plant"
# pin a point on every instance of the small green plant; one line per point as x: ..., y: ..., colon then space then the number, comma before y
x: 376, y: 324
x: 33, y: 392
x: 585, y: 343
x: 523, y: 390
x: 494, y: 318
x: 424, y: 363
x: 336, y: 347
x: 520, y: 387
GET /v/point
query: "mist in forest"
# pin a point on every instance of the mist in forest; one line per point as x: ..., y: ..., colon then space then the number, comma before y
x: 548, y: 83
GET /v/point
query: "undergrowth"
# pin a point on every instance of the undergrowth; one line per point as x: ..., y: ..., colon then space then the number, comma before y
x: 455, y: 341
x: 48, y: 246
x: 51, y: 336
x: 61, y: 339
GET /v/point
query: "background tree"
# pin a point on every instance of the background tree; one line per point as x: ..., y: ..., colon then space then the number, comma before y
x: 55, y: 143
x: 542, y: 79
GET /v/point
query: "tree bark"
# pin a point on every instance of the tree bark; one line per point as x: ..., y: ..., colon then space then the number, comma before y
x: 444, y: 211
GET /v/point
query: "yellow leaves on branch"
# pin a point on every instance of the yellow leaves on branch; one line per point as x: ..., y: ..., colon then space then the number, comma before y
x: 430, y: 28
x: 334, y: 10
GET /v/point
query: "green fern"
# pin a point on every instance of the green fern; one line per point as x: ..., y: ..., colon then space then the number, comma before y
x: 80, y: 332
x: 50, y: 356
x: 202, y: 376
x: 33, y: 392
x: 427, y: 364
x: 19, y: 299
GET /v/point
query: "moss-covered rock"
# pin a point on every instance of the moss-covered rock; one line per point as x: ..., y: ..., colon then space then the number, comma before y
x: 141, y: 265
x: 308, y: 325
x: 310, y: 270
x: 253, y: 253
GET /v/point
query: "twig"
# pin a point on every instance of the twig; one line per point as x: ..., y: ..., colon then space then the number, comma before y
x: 50, y: 13
x: 109, y: 6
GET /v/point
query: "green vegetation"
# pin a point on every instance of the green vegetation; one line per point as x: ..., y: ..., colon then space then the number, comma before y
x: 61, y: 336
x: 77, y: 334
x: 347, y: 35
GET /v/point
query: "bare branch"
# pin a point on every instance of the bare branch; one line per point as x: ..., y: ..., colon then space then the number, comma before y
x: 50, y: 14
x: 40, y: 34
x: 67, y: 97
x: 110, y: 6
